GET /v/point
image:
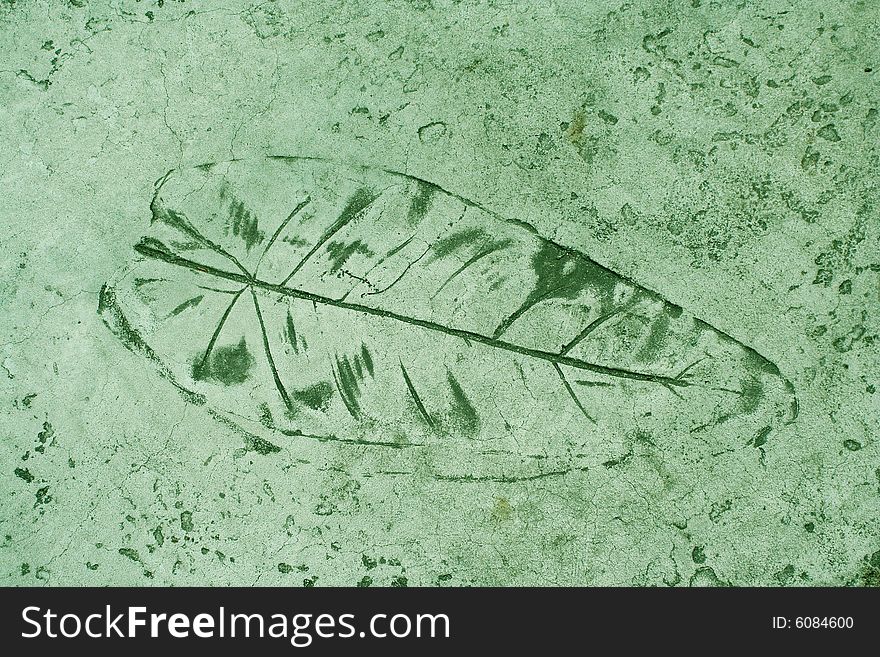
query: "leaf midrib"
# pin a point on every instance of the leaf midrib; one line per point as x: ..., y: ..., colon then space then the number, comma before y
x: 558, y: 359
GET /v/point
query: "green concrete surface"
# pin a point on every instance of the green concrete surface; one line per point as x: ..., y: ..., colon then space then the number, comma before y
x: 439, y: 293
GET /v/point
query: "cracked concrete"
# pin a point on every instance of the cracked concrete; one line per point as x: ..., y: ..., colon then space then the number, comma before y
x: 722, y: 155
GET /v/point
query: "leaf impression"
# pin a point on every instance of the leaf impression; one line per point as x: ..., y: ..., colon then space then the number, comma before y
x: 308, y: 301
